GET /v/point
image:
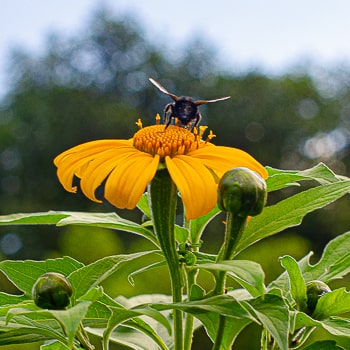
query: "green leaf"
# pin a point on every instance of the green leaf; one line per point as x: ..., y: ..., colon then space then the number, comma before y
x: 13, y: 334
x: 9, y: 299
x: 27, y: 329
x: 54, y: 345
x: 143, y: 205
x: 233, y: 327
x: 62, y: 218
x: 120, y: 315
x: 335, y: 325
x: 283, y: 178
x: 296, y: 282
x: 248, y: 274
x: 139, y: 334
x: 93, y: 274
x: 334, y: 262
x: 181, y: 234
x: 23, y: 274
x: 324, y: 345
x: 273, y: 313
x: 222, y: 304
x: 197, y: 226
x: 68, y: 319
x: 290, y: 212
x: 45, y: 218
x: 333, y: 303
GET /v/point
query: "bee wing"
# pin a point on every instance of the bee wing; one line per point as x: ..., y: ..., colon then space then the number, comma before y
x: 163, y: 89
x: 202, y: 102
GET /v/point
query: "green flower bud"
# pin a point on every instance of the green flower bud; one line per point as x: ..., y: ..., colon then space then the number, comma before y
x: 242, y: 192
x: 314, y: 291
x: 52, y: 291
x: 190, y: 258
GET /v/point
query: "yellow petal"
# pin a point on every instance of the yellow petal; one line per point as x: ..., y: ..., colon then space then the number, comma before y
x: 128, y: 181
x: 98, y: 170
x: 195, y: 183
x: 72, y: 161
x: 221, y: 159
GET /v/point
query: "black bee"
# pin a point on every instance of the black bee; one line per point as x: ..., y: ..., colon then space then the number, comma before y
x: 185, y: 109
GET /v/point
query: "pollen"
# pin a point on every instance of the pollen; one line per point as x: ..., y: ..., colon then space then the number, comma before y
x: 170, y: 141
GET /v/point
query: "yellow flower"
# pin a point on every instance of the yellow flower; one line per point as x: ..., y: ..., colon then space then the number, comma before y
x: 126, y: 167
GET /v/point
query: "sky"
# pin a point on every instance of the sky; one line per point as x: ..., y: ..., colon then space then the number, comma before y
x: 270, y: 35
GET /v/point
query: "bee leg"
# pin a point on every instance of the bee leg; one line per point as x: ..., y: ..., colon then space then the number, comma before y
x: 197, y: 120
x: 168, y: 114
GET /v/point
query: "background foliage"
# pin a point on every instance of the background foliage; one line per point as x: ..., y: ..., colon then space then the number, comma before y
x: 95, y: 86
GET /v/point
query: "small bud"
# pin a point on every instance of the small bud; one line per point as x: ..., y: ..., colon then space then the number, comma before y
x: 190, y: 258
x: 52, y: 291
x: 314, y: 291
x: 242, y: 192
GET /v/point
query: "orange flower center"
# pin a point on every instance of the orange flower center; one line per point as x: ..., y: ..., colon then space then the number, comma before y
x: 171, y: 141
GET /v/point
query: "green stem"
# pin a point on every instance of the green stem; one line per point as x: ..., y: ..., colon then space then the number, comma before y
x: 163, y: 197
x: 191, y: 279
x: 189, y: 325
x: 234, y: 229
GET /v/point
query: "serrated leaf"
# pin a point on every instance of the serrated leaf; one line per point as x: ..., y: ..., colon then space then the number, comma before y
x: 248, y: 274
x: 296, y: 282
x: 23, y: 274
x: 290, y: 212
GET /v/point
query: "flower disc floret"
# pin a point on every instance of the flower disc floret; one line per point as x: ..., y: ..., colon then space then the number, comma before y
x: 170, y: 141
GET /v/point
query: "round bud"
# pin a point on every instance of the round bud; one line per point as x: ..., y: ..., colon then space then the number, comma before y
x: 190, y: 258
x: 52, y: 291
x: 242, y: 192
x: 314, y: 291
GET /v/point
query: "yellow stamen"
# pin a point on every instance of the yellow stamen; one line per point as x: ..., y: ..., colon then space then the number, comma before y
x: 210, y: 136
x: 157, y: 119
x: 139, y: 123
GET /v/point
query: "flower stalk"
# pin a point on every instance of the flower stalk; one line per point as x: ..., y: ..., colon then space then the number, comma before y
x: 241, y: 193
x: 163, y: 199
